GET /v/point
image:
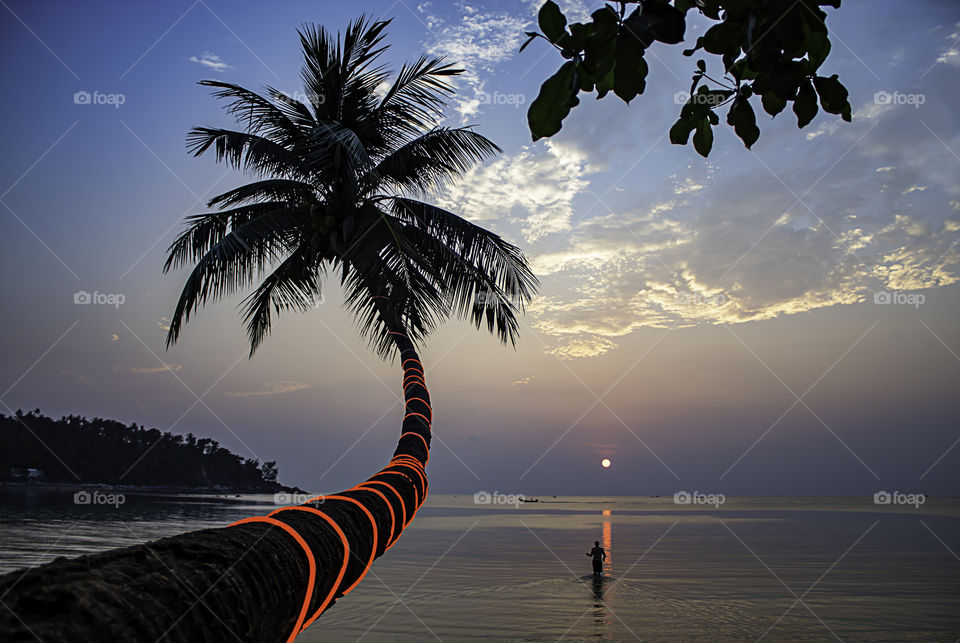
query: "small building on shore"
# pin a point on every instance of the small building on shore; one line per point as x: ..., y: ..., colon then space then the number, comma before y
x: 17, y: 473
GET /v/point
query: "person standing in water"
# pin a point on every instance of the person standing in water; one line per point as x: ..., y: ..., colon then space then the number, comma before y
x: 598, y: 556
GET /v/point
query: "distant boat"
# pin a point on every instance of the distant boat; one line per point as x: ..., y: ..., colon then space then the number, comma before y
x: 529, y: 500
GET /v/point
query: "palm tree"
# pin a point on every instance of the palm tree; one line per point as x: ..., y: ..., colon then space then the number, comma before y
x: 336, y: 172
x: 336, y: 176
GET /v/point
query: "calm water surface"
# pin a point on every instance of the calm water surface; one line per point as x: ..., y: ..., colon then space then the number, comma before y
x: 776, y: 568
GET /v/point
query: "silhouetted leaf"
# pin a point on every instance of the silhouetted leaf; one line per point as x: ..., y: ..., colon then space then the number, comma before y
x: 741, y: 70
x: 600, y: 45
x: 605, y: 84
x: 630, y: 70
x: 785, y: 79
x: 579, y: 34
x: 818, y: 47
x: 772, y: 104
x: 669, y: 23
x: 703, y: 137
x: 744, y: 121
x: 639, y: 26
x: 582, y: 79
x: 531, y: 36
x: 833, y: 96
x: 680, y: 132
x: 553, y: 23
x: 719, y: 38
x: 696, y: 81
x: 709, y: 8
x: 805, y: 105
x: 557, y: 95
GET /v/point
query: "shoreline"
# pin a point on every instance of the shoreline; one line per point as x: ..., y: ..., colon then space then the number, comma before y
x: 158, y: 490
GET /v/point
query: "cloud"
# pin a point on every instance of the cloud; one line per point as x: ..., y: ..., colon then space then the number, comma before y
x: 523, y: 380
x: 173, y: 368
x: 478, y: 40
x: 114, y: 337
x: 589, y: 346
x: 720, y: 241
x: 534, y: 190
x: 687, y: 185
x: 868, y: 111
x: 273, y: 388
x: 742, y: 249
x: 211, y: 61
x: 951, y: 55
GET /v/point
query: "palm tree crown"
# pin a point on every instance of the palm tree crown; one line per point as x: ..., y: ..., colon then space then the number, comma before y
x: 335, y: 174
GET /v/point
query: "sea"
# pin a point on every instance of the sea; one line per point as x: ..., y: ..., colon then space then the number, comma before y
x: 490, y: 569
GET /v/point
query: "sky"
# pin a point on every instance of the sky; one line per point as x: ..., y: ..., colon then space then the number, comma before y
x: 781, y: 320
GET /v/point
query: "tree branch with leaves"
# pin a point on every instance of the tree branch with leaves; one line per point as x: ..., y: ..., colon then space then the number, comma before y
x: 769, y: 49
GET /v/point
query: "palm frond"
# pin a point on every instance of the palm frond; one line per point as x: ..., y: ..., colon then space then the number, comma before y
x: 234, y: 262
x: 333, y: 75
x: 296, y: 110
x: 431, y: 160
x: 294, y: 285
x: 414, y: 103
x: 206, y: 230
x: 336, y: 154
x: 246, y: 151
x: 471, y: 292
x: 483, y: 276
x: 477, y: 245
x: 293, y: 192
x: 386, y: 265
x: 258, y: 113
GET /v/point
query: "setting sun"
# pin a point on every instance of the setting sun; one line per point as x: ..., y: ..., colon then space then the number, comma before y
x: 605, y: 463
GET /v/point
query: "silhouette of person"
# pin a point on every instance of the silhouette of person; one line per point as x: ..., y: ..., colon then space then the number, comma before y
x: 598, y: 556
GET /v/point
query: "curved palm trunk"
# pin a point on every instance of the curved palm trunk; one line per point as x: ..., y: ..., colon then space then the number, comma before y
x: 262, y: 579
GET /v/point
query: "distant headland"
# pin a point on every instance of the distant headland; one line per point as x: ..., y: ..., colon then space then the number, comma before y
x: 39, y: 450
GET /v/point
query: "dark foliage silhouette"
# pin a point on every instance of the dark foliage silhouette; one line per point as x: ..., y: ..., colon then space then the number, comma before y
x: 768, y: 49
x: 105, y: 451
